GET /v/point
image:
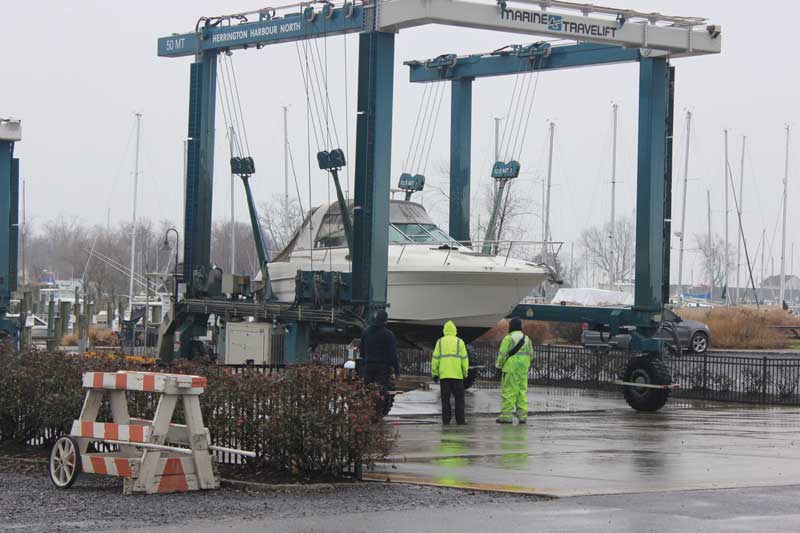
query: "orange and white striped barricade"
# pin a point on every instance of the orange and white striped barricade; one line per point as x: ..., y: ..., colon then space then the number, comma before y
x: 154, y: 456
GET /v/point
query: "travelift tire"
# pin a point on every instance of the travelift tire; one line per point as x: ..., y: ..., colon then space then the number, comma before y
x: 647, y: 370
x: 65, y: 462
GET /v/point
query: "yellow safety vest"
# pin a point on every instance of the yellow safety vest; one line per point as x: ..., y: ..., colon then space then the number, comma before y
x: 450, y: 358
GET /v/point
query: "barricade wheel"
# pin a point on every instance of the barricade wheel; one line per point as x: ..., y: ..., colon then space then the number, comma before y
x: 65, y: 462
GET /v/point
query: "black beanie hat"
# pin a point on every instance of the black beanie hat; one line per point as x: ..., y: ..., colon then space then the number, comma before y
x: 515, y: 324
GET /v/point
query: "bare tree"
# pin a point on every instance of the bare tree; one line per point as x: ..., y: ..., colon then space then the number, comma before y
x: 569, y: 274
x: 615, y: 258
x: 64, y: 246
x: 279, y: 222
x: 512, y: 214
x: 246, y: 261
x: 714, y: 263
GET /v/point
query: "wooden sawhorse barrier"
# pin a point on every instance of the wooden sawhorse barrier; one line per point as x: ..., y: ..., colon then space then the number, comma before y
x: 154, y: 456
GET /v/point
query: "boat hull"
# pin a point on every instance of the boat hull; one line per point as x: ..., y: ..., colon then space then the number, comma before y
x: 472, y: 299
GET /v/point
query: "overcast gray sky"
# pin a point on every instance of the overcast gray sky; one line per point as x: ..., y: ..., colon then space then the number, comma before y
x: 75, y: 73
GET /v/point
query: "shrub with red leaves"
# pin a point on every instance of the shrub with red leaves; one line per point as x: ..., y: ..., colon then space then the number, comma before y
x: 307, y: 420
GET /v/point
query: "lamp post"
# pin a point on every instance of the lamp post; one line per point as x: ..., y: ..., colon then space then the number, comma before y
x: 166, y: 247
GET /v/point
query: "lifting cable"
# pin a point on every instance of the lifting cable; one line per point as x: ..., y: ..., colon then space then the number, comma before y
x: 241, y: 160
x: 518, y: 116
x: 320, y: 121
x: 419, y: 148
x: 231, y: 107
x: 510, y: 147
x: 315, y: 81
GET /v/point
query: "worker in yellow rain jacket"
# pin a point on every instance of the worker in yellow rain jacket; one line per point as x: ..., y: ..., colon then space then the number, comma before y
x: 514, y: 359
x: 450, y: 366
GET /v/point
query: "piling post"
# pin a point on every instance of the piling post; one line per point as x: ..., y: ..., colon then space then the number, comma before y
x: 51, y: 315
x: 83, y: 340
x: 63, y: 314
x: 109, y: 314
x: 59, y: 333
x: 76, y: 309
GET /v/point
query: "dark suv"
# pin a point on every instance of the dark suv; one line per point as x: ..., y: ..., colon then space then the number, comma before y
x: 693, y: 336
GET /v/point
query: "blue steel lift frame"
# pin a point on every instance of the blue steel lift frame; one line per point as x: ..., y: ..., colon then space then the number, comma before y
x: 373, y: 154
x: 654, y: 166
x: 462, y: 71
x: 373, y: 147
x: 9, y: 205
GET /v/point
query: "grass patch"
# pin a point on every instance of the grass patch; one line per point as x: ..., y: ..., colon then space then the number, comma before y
x: 743, y: 327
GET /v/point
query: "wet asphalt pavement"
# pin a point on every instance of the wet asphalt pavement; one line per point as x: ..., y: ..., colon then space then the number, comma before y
x: 760, y: 509
x: 599, y: 446
x: 693, y: 466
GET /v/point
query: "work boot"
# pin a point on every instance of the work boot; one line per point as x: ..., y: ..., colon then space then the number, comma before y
x: 501, y: 420
x: 462, y: 423
x: 523, y: 421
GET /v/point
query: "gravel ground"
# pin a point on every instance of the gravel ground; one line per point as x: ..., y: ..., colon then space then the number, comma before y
x: 29, y: 502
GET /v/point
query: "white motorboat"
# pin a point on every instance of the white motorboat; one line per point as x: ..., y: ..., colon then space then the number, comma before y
x: 431, y: 277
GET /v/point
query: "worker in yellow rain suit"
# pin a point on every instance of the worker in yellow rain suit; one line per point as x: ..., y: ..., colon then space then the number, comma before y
x: 514, y: 359
x: 449, y: 367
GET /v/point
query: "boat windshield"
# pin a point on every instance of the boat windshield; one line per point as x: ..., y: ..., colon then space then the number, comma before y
x: 410, y: 232
x: 408, y: 223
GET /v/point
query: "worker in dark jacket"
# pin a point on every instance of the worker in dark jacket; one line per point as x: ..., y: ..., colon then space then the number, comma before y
x: 379, y: 354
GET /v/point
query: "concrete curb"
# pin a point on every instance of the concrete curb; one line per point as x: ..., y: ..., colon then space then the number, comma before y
x: 377, y: 477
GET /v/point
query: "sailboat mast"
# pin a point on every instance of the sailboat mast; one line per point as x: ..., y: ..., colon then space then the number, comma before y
x: 709, y: 263
x: 763, y: 253
x: 285, y: 162
x: 547, y: 234
x: 133, y: 220
x: 231, y: 142
x: 497, y: 138
x: 683, y: 210
x: 612, y: 271
x: 739, y: 218
x: 726, y: 255
x: 783, y: 229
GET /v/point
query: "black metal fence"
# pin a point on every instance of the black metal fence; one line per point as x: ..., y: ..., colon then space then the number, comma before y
x: 744, y: 377
x: 738, y: 378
